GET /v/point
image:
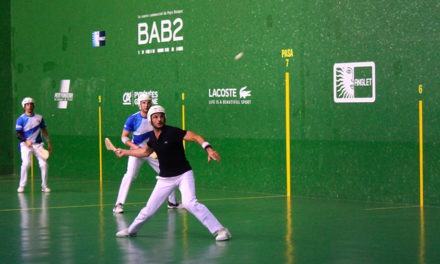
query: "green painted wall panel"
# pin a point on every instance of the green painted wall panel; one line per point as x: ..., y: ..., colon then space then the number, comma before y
x: 6, y: 155
x: 362, y: 151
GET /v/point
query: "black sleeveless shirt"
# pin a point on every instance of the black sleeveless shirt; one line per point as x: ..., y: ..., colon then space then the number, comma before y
x: 170, y: 151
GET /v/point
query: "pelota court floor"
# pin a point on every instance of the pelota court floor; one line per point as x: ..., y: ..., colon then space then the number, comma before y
x: 75, y: 224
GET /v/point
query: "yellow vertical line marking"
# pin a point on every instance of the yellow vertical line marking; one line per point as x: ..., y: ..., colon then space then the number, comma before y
x: 101, y: 207
x: 32, y: 171
x: 289, y: 245
x: 32, y: 178
x: 183, y: 116
x: 421, y: 149
x: 288, y: 134
x: 100, y: 146
x: 184, y: 234
x: 185, y: 219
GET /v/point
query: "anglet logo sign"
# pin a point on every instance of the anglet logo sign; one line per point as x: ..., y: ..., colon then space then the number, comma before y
x: 131, y: 98
x: 354, y: 82
x: 227, y: 96
x: 160, y: 32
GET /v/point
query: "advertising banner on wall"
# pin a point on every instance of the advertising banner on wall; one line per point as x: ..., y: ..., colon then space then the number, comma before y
x: 160, y: 32
x: 354, y: 82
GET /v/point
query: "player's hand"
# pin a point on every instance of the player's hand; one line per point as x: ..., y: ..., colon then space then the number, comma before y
x: 212, y: 154
x: 153, y: 155
x: 28, y: 143
x: 119, y: 152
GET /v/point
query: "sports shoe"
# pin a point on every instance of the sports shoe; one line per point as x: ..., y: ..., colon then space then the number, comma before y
x: 45, y: 189
x: 118, y: 209
x: 223, y: 234
x: 20, y: 189
x: 175, y: 206
x: 124, y: 233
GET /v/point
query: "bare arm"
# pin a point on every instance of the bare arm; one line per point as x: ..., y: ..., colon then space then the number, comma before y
x: 128, y: 142
x: 193, y: 137
x: 139, y: 152
x: 46, y: 136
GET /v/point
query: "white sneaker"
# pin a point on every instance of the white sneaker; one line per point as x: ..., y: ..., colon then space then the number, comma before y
x: 20, y: 189
x: 223, y: 234
x: 118, y: 209
x: 124, y: 233
x: 45, y: 189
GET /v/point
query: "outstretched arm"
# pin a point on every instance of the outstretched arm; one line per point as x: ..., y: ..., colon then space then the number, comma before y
x: 139, y: 152
x: 212, y: 154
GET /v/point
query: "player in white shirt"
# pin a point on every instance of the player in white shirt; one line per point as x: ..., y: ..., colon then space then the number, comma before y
x: 29, y: 127
x: 138, y: 125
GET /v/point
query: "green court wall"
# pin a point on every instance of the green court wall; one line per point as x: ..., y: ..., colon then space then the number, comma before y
x: 351, y: 150
x: 6, y: 118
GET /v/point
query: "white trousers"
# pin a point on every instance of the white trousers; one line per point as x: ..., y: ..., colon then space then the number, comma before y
x: 164, y: 186
x: 26, y: 153
x: 133, y: 167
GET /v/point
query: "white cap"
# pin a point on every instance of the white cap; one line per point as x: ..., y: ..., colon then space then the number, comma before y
x: 143, y: 97
x: 155, y: 109
x: 27, y: 100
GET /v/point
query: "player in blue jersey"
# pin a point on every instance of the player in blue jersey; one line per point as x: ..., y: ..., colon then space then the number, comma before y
x: 29, y: 127
x: 138, y: 125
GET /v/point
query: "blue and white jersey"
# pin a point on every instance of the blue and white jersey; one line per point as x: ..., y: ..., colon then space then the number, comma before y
x: 140, y: 127
x: 31, y: 127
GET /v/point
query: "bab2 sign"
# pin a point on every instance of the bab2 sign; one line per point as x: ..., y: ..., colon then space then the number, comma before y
x: 168, y: 31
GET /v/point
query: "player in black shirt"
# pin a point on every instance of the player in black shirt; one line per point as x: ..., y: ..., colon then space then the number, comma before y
x: 175, y: 171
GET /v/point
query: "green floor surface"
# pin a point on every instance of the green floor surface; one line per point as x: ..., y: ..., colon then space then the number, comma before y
x: 75, y: 224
